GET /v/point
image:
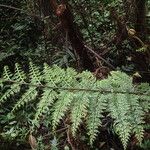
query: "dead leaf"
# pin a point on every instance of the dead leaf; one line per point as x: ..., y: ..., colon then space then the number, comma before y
x: 137, y: 75
x: 33, y: 142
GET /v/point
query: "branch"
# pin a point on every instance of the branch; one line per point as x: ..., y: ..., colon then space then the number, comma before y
x: 21, y: 10
x: 69, y: 139
x: 101, y: 58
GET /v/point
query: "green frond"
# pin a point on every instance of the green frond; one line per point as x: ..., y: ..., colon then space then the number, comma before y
x: 47, y: 72
x: 15, y: 88
x: 60, y: 107
x: 82, y: 97
x: 57, y: 75
x: 43, y: 107
x: 34, y: 74
x: 49, y: 75
x: 144, y: 100
x: 137, y: 117
x: 119, y: 77
x: 31, y: 93
x: 143, y: 87
x: 7, y: 75
x: 27, y: 97
x: 54, y: 76
x: 70, y: 78
x: 119, y: 110
x: 19, y: 76
x: 120, y: 81
x: 87, y: 80
x: 97, y: 105
x: 79, y: 110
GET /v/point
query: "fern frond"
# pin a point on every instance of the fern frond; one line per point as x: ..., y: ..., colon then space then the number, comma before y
x: 119, y: 81
x: 79, y: 110
x: 119, y: 110
x: 19, y: 76
x: 15, y: 88
x: 34, y: 74
x: 144, y: 100
x: 43, y: 107
x: 59, y: 77
x: 137, y: 117
x: 27, y: 97
x: 60, y: 107
x: 70, y: 78
x: 31, y: 93
x: 47, y: 71
x: 7, y: 75
x: 49, y: 75
x: 87, y: 80
x: 97, y: 105
x: 82, y: 98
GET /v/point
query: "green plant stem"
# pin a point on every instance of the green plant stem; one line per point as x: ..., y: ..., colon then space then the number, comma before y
x: 72, y: 89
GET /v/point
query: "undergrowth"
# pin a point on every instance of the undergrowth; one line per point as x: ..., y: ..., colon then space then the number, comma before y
x: 57, y: 93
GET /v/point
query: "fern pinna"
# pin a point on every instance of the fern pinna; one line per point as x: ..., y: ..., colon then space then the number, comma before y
x: 81, y: 96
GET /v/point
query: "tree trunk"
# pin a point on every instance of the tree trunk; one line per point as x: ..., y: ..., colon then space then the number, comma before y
x: 140, y: 23
x: 141, y: 58
x: 67, y: 23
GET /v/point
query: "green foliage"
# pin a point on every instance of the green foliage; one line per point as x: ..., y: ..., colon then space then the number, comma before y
x: 145, y: 145
x: 80, y: 97
x: 19, y: 76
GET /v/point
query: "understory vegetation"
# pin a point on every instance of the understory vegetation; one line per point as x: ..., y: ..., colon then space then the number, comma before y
x: 55, y: 94
x: 75, y: 75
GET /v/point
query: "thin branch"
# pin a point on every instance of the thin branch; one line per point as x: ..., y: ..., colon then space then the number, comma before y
x: 101, y: 58
x: 74, y: 89
x: 21, y: 10
x: 11, y: 7
x: 69, y: 139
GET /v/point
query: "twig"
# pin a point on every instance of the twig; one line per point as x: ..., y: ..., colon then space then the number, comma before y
x: 21, y: 10
x: 69, y: 140
x: 57, y: 131
x: 101, y: 58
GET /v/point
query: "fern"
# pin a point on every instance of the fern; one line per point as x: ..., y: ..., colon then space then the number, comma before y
x: 79, y: 110
x: 79, y: 96
x: 28, y: 96
x: 7, y: 74
x: 34, y: 74
x: 137, y: 117
x: 19, y: 76
x: 119, y: 109
x: 31, y: 93
x: 97, y: 106
x: 46, y: 101
x: 60, y: 107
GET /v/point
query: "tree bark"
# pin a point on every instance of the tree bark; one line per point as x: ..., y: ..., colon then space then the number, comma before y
x: 136, y: 15
x: 140, y: 23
